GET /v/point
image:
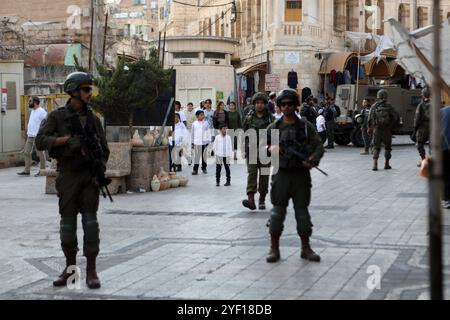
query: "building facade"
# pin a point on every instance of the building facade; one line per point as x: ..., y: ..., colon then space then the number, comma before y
x: 288, y: 37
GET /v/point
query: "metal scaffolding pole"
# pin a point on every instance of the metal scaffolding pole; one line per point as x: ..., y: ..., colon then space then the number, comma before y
x: 436, y: 176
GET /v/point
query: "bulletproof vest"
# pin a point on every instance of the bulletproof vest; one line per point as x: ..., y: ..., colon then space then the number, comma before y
x: 425, y: 112
x: 293, y: 141
x: 258, y: 123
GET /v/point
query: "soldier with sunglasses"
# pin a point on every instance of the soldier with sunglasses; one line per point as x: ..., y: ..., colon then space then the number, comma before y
x: 77, y: 186
x: 300, y: 149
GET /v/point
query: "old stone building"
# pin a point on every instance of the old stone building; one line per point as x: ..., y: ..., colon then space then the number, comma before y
x: 301, y: 37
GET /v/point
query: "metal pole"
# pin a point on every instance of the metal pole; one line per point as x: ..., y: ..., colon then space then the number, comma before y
x: 92, y: 34
x: 104, y: 37
x: 159, y: 45
x: 164, y: 48
x: 357, y: 77
x: 436, y: 179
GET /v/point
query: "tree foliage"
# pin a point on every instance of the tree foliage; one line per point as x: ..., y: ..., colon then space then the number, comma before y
x: 129, y: 86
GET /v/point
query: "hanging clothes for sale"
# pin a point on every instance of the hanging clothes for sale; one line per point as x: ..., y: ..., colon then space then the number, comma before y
x: 339, y: 78
x: 333, y: 77
x: 250, y: 87
x: 256, y: 77
x: 306, y: 92
x: 347, y: 77
x: 292, y: 79
x: 361, y: 72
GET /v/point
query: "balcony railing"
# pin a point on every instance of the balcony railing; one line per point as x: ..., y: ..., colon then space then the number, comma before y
x: 292, y: 29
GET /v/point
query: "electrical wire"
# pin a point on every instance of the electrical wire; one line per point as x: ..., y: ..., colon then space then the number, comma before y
x: 203, y: 6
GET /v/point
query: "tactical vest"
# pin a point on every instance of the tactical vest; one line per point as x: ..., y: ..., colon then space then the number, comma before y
x: 297, y: 141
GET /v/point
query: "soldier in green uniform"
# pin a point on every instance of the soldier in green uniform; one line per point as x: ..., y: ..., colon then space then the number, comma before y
x: 381, y: 120
x: 422, y: 123
x: 365, y: 112
x: 257, y: 119
x: 300, y: 149
x: 78, y: 189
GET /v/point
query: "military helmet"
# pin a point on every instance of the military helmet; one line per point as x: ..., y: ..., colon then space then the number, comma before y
x: 288, y: 94
x: 76, y: 79
x: 426, y: 92
x: 260, y: 96
x: 382, y: 94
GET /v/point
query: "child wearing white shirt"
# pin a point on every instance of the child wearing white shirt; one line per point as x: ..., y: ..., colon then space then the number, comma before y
x: 223, y: 150
x: 200, y: 138
x: 321, y: 126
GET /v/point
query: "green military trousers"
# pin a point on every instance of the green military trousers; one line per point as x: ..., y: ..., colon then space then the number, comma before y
x: 295, y: 185
x: 254, y: 170
x: 382, y: 136
x: 78, y: 193
x: 422, y: 137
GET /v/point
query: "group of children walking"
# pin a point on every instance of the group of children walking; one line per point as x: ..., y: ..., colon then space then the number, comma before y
x: 200, y: 139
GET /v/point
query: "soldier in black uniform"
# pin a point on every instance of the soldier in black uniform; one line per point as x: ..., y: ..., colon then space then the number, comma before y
x: 76, y: 183
x: 300, y: 149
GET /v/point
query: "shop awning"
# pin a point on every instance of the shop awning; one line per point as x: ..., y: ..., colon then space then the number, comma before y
x: 336, y: 61
x: 262, y: 66
x: 53, y: 54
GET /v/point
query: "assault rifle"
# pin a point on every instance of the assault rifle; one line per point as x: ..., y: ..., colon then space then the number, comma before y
x: 294, y: 151
x: 91, y: 149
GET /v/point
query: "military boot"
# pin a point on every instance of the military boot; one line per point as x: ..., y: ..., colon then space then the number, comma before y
x: 387, y: 166
x: 274, y: 254
x: 262, y: 201
x: 250, y: 202
x: 375, y: 165
x: 92, y: 280
x: 61, y: 281
x: 308, y: 253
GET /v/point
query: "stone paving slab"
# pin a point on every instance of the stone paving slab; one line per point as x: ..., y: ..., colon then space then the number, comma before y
x: 199, y: 242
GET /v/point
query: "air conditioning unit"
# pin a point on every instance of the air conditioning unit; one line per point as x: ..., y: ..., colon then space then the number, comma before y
x: 185, y: 61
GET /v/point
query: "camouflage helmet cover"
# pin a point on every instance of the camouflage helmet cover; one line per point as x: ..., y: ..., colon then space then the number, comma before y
x: 288, y: 94
x: 426, y: 92
x: 76, y: 79
x: 259, y: 96
x: 382, y: 94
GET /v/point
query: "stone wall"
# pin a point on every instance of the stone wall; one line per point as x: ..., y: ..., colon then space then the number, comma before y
x: 13, y: 159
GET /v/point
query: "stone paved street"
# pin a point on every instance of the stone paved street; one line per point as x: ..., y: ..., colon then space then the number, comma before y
x: 198, y: 242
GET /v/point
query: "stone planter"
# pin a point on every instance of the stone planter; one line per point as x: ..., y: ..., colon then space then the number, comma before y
x: 145, y: 163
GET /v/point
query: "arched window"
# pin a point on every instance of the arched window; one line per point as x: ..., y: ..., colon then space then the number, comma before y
x: 339, y: 15
x: 293, y: 11
x: 352, y: 14
x: 258, y: 16
x: 422, y: 16
x: 404, y: 15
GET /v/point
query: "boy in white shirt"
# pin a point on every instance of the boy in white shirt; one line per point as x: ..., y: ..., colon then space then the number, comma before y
x: 176, y: 143
x: 321, y: 126
x: 200, y: 139
x: 223, y: 149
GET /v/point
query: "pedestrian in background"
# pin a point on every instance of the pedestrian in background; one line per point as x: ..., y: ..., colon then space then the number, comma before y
x: 234, y: 123
x: 223, y: 149
x: 37, y: 115
x: 189, y: 114
x: 220, y: 116
x: 278, y: 114
x: 365, y: 113
x: 200, y: 138
x: 180, y: 113
x: 271, y: 104
x: 321, y: 126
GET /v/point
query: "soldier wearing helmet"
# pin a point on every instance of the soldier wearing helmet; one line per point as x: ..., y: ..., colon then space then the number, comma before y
x: 78, y: 190
x: 422, y: 122
x: 381, y: 120
x: 293, y: 179
x: 258, y: 118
